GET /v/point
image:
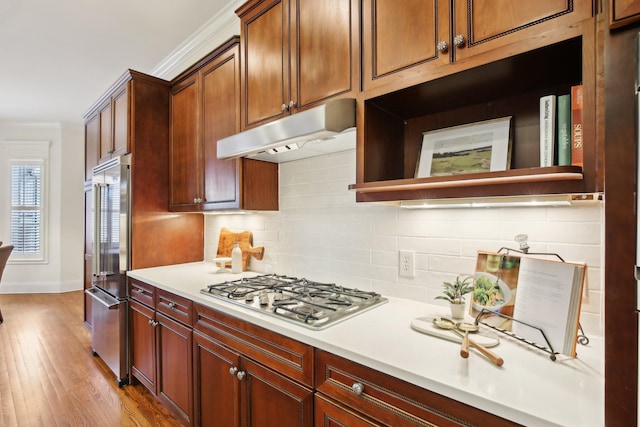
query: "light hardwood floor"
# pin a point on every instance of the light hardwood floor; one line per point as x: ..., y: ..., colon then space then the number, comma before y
x: 49, y: 376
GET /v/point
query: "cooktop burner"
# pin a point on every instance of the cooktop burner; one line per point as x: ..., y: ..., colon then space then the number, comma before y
x: 312, y: 304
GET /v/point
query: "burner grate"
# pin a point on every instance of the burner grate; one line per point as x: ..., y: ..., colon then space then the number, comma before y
x: 312, y: 304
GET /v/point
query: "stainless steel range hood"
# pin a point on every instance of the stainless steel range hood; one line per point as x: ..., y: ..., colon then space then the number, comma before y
x: 329, y: 128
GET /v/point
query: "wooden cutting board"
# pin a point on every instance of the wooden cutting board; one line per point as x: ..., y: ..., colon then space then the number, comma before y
x: 245, y: 242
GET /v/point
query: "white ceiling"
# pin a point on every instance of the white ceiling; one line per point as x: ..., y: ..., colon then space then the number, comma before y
x: 57, y: 57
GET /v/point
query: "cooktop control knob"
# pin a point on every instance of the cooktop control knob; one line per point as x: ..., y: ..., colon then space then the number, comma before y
x: 263, y: 298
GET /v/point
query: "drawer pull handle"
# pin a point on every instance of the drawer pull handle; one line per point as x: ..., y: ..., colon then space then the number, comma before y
x: 241, y: 375
x: 357, y: 388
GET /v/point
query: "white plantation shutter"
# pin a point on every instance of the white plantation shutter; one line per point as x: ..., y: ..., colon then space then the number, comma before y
x: 26, y: 209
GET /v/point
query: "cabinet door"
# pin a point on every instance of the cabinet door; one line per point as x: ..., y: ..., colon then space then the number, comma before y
x: 329, y: 414
x: 143, y: 345
x: 91, y: 145
x: 624, y: 12
x: 220, y: 118
x: 401, y: 41
x: 269, y: 399
x: 106, y: 131
x: 185, y: 143
x: 324, y: 50
x: 216, y: 392
x: 491, y: 25
x: 175, y: 375
x: 121, y: 122
x: 265, y: 68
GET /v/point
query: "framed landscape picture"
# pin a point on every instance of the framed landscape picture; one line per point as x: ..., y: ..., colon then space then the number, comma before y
x: 470, y: 148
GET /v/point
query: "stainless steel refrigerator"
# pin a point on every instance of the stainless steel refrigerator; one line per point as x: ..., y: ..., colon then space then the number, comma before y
x: 111, y: 260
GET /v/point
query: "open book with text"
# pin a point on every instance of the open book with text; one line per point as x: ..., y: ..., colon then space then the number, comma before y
x: 542, y: 295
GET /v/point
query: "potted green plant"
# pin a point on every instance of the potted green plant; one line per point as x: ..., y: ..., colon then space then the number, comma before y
x: 454, y: 293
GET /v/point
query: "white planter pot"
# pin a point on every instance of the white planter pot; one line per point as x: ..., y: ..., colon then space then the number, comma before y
x: 457, y: 310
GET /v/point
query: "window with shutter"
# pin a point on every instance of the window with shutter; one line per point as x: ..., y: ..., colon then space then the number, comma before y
x: 26, y: 210
x: 24, y: 179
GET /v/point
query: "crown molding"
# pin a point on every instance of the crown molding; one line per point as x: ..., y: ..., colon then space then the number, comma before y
x: 222, y: 26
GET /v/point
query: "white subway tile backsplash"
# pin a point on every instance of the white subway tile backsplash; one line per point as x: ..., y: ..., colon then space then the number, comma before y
x: 320, y: 232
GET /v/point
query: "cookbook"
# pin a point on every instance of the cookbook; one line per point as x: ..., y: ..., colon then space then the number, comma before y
x: 542, y: 295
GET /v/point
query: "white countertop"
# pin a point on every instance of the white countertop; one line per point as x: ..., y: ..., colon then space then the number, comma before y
x: 529, y: 388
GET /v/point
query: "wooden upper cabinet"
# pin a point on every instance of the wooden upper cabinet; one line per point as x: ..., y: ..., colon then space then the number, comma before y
x: 92, y: 145
x: 296, y: 54
x: 220, y: 118
x: 624, y: 12
x: 405, y: 45
x: 205, y: 107
x: 106, y: 130
x: 400, y: 42
x: 114, y: 124
x: 492, y: 25
x: 120, y: 107
x: 184, y: 148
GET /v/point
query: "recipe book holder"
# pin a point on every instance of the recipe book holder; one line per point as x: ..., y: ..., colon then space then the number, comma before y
x: 582, y: 338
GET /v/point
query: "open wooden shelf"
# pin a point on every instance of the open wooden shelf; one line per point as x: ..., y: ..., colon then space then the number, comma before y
x: 393, y: 124
x: 513, y: 176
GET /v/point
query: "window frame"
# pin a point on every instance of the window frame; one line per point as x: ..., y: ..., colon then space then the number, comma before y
x: 21, y: 153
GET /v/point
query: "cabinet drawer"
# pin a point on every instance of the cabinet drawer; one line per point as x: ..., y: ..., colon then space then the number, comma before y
x: 142, y: 292
x: 175, y: 307
x: 391, y: 401
x: 284, y: 355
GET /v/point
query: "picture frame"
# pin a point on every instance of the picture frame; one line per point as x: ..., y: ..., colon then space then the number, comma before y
x: 470, y: 148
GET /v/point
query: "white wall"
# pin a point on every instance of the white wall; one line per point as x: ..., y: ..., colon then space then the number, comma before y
x: 65, y: 230
x: 322, y: 234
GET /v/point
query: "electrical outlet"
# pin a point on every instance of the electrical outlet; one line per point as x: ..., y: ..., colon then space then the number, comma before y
x: 407, y: 264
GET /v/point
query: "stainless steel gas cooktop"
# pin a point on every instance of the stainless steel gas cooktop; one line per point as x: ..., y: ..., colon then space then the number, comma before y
x: 311, y: 304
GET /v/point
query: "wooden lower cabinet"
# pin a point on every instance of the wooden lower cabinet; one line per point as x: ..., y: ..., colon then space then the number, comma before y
x: 378, y: 399
x: 240, y: 375
x: 231, y: 390
x: 161, y: 347
x: 216, y: 388
x: 269, y: 399
x: 212, y: 369
x: 142, y: 344
x: 331, y: 414
x: 175, y: 389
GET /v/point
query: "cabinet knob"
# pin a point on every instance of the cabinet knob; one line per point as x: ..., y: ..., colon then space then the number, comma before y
x: 233, y: 370
x: 357, y: 388
x: 442, y: 46
x: 284, y: 107
x: 292, y: 104
x: 151, y: 322
x: 140, y: 291
x: 241, y: 375
x: 458, y: 41
x: 172, y: 305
